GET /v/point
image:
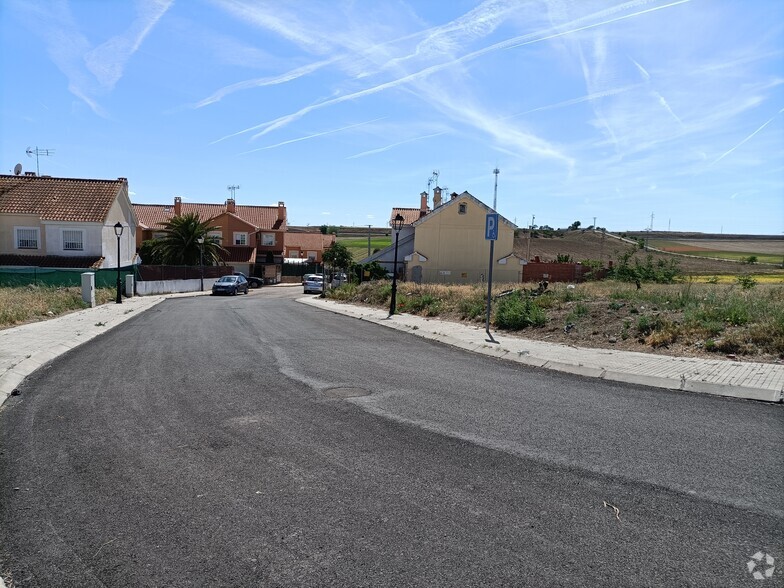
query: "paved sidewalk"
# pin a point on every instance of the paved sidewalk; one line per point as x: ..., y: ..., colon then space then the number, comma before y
x: 756, y: 381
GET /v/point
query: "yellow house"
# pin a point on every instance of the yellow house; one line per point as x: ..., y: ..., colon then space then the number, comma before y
x: 450, y: 246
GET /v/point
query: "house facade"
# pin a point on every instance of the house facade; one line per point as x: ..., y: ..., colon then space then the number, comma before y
x: 447, y: 244
x: 65, y: 222
x: 253, y: 236
x: 306, y: 246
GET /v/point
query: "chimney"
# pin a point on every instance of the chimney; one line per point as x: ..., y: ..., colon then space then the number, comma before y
x: 32, y: 174
x: 230, y: 205
x: 423, y: 204
x: 177, y: 206
x: 453, y: 195
x: 123, y: 180
x: 281, y: 211
x: 436, y: 197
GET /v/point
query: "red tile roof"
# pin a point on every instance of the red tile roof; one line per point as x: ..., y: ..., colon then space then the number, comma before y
x: 235, y: 254
x: 59, y: 199
x: 308, y: 241
x: 411, y: 215
x: 261, y: 217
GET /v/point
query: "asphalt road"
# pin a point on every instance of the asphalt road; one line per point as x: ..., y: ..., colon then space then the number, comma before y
x: 254, y: 441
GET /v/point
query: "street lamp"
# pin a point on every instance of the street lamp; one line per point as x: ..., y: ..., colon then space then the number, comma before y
x: 200, y: 241
x: 118, y: 230
x: 397, y: 224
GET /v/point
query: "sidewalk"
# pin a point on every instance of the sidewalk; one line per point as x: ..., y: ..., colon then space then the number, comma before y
x: 25, y: 348
x: 755, y: 381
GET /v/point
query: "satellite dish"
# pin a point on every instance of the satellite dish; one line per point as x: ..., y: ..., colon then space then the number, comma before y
x: 17, y: 169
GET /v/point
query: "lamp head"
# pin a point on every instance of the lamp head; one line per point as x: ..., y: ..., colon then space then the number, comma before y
x: 200, y: 240
x: 118, y: 229
x: 397, y: 222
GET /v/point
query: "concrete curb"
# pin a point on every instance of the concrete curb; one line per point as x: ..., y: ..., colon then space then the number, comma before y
x: 686, y: 374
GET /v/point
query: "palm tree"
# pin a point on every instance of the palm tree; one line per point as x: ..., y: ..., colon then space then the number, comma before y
x: 180, y: 245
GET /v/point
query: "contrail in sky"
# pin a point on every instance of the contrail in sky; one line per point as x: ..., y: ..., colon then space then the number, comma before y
x: 765, y: 124
x: 314, y: 135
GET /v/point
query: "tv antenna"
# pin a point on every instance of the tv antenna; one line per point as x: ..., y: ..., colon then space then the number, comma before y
x: 432, y: 181
x: 232, y: 189
x: 45, y: 152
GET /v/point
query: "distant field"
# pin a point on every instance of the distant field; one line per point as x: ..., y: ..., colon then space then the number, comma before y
x: 358, y: 246
x: 766, y: 251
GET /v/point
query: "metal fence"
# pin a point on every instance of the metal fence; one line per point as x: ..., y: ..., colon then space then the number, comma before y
x: 15, y: 276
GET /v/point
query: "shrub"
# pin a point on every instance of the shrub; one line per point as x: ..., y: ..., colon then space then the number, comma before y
x: 746, y: 282
x: 517, y: 311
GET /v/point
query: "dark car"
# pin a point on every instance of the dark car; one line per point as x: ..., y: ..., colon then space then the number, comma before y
x: 253, y: 281
x: 230, y: 285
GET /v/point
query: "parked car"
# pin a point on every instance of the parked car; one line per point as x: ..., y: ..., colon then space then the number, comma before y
x: 339, y: 280
x: 313, y: 283
x: 253, y: 281
x: 230, y: 285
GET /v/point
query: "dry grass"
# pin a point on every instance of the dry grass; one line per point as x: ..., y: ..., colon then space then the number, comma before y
x: 684, y: 319
x: 34, y: 303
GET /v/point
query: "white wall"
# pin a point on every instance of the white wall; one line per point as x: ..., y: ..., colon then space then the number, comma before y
x: 172, y: 286
x: 91, y: 236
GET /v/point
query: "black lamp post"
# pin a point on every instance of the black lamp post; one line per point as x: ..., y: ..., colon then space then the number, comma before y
x: 200, y: 241
x: 118, y: 230
x: 397, y: 224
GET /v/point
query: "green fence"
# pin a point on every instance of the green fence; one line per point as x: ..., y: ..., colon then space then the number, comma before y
x: 59, y: 277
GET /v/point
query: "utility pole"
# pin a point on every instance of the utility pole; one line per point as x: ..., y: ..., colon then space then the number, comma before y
x: 530, y: 230
x: 369, y: 240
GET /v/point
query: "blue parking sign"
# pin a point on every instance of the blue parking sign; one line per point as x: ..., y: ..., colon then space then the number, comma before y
x: 491, y: 226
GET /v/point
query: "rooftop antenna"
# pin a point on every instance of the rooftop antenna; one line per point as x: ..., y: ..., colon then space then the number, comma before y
x: 232, y: 189
x: 45, y: 152
x: 432, y: 181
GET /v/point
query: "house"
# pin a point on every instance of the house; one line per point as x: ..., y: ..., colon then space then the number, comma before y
x: 65, y: 222
x: 447, y: 244
x: 308, y: 246
x: 253, y: 236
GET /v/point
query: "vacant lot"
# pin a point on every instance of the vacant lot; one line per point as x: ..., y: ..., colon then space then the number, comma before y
x: 34, y: 303
x: 740, y: 320
x: 358, y: 246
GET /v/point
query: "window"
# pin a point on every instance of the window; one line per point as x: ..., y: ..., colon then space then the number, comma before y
x: 240, y: 238
x: 215, y: 236
x: 461, y: 208
x: 267, y: 239
x: 73, y: 240
x: 27, y: 238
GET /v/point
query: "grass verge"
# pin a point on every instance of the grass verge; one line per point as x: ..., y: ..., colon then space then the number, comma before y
x: 31, y: 303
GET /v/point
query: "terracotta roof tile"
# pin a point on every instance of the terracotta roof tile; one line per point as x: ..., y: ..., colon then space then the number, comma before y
x: 308, y: 241
x: 411, y: 215
x: 234, y: 254
x: 261, y: 217
x: 59, y: 199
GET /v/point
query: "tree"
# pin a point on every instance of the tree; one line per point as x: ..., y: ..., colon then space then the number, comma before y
x: 337, y: 255
x: 575, y: 225
x: 180, y: 246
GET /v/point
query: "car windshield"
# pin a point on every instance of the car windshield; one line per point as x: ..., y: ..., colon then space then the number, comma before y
x: 228, y: 279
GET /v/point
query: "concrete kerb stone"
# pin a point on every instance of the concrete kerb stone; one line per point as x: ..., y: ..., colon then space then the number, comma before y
x: 551, y: 356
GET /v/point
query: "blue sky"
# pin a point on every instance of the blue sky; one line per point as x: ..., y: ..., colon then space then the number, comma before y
x: 343, y: 109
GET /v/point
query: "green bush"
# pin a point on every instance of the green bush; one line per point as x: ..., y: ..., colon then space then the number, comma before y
x: 517, y: 311
x: 472, y: 307
x: 746, y: 282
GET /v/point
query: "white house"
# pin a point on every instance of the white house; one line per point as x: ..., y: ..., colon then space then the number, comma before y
x: 65, y: 222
